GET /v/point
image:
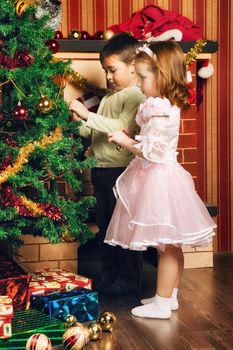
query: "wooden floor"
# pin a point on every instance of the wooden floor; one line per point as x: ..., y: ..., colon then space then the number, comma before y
x: 204, y: 320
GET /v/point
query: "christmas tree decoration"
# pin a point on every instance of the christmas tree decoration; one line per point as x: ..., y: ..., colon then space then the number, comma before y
x: 45, y: 145
x: 98, y: 35
x: 53, y: 45
x: 21, y: 6
x: 25, y: 151
x: 8, y: 62
x: 75, y: 34
x: 45, y: 105
x: 20, y: 112
x: 195, y: 51
x: 85, y: 35
x: 107, y: 34
x: 39, y: 341
x: 107, y: 321
x: 70, y: 321
x: 75, y: 338
x: 52, y: 9
x: 58, y: 35
x: 24, y: 59
x: 95, y: 331
x: 79, y: 81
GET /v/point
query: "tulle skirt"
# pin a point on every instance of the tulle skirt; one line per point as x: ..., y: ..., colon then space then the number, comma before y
x: 157, y: 205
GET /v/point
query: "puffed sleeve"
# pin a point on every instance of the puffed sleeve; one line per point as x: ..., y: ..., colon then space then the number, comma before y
x: 158, y: 138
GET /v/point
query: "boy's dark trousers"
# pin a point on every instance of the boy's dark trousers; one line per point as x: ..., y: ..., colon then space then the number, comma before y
x: 120, y: 266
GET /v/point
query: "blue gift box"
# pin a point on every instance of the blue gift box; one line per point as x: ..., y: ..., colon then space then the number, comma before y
x: 82, y: 303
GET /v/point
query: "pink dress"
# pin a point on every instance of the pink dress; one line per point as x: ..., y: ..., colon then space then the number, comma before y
x: 156, y: 200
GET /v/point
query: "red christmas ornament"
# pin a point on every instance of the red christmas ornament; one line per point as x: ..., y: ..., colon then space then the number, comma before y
x: 85, y: 35
x: 25, y: 59
x: 98, y: 35
x: 58, y: 35
x: 20, y: 112
x: 53, y: 45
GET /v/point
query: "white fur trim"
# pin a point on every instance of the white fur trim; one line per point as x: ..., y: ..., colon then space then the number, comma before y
x: 189, y: 76
x: 174, y: 34
x: 206, y: 72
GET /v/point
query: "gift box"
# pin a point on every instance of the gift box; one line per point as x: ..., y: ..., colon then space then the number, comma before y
x: 50, y: 280
x: 6, y: 315
x: 14, y: 282
x: 82, y: 303
x: 28, y: 322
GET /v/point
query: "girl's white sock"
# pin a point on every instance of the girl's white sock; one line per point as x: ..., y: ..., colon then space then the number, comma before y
x: 159, y: 308
x: 174, y: 301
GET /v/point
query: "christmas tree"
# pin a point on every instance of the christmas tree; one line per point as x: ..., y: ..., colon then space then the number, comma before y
x: 39, y: 145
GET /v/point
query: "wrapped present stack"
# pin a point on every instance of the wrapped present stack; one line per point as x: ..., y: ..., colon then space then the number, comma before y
x: 51, y: 280
x: 6, y: 315
x: 46, y: 298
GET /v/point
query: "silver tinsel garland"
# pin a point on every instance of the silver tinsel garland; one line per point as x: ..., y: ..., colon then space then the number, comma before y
x: 52, y: 8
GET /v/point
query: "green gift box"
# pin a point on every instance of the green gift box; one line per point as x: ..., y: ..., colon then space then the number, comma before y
x: 28, y: 322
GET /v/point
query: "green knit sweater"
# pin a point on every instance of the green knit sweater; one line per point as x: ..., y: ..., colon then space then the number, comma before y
x: 116, y: 111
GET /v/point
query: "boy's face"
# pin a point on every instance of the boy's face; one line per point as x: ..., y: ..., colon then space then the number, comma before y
x: 119, y: 75
x: 146, y: 80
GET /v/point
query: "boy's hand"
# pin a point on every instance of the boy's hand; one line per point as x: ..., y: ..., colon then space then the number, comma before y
x: 79, y: 109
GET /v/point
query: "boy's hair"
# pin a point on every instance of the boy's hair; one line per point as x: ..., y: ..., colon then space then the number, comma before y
x: 122, y: 45
x: 169, y: 67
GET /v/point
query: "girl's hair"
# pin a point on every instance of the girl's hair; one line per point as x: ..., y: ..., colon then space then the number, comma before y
x: 168, y: 65
x: 123, y: 45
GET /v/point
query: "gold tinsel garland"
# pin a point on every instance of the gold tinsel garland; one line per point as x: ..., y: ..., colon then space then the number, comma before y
x: 194, y: 51
x: 25, y: 151
x: 80, y: 82
x: 33, y: 207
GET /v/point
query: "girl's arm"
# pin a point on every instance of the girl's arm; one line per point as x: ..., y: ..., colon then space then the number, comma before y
x: 121, y: 138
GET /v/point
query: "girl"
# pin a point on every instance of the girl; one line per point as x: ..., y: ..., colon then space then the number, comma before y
x: 117, y: 110
x: 157, y: 204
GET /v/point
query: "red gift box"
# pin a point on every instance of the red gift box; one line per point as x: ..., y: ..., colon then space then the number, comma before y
x: 6, y: 315
x: 50, y: 280
x: 14, y: 282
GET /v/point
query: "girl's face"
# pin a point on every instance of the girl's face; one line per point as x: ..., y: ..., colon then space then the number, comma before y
x: 146, y: 80
x: 119, y: 74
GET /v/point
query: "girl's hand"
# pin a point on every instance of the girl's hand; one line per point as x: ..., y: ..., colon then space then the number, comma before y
x: 119, y: 137
x: 79, y: 109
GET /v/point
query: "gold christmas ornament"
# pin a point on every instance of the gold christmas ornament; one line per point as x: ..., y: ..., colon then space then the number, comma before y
x: 95, y: 331
x: 194, y: 51
x: 107, y: 321
x: 21, y: 6
x: 75, y: 34
x: 107, y: 34
x: 70, y: 321
x: 44, y: 105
